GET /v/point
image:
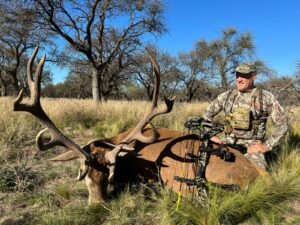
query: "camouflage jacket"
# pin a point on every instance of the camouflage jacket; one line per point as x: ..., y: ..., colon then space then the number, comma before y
x: 264, y: 107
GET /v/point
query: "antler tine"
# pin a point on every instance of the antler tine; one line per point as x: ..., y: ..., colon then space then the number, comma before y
x: 168, y: 102
x: 34, y: 86
x: 157, y: 78
x: 38, y: 77
x: 30, y: 64
x: 18, y: 106
x: 34, y: 107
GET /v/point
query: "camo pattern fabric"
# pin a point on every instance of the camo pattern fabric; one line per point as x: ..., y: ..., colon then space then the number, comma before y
x: 271, y: 108
x: 246, y: 67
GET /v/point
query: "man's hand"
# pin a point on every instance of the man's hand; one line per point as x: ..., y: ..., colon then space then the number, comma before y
x: 217, y: 140
x: 257, y: 147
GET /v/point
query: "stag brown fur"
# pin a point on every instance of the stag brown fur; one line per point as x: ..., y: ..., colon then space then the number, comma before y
x: 161, y: 161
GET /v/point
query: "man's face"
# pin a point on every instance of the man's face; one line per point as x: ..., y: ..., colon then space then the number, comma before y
x: 244, y: 82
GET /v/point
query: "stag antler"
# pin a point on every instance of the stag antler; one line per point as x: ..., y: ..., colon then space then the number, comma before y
x: 136, y: 133
x: 34, y: 107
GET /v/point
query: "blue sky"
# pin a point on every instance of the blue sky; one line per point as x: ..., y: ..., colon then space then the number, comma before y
x: 275, y: 26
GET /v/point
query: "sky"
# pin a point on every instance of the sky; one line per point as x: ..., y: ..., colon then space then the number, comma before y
x: 274, y: 24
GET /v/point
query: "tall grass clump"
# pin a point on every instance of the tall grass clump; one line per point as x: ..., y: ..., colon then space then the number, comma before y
x: 72, y: 113
x: 141, y: 205
x: 17, y: 129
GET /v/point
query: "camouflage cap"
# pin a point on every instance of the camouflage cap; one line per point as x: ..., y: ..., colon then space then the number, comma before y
x: 246, y: 67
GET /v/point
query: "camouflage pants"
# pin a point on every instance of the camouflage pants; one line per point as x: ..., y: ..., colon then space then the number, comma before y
x: 257, y: 159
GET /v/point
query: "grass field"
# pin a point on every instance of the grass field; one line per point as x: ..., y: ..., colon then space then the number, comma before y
x: 34, y: 190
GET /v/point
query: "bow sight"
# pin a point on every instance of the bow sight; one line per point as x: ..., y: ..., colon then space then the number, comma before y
x: 206, y: 127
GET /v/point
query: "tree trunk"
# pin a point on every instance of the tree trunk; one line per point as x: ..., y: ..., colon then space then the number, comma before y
x: 3, y: 90
x: 190, y: 93
x: 149, y: 92
x: 95, y: 85
x: 15, y: 83
x: 224, y: 81
x: 101, y: 85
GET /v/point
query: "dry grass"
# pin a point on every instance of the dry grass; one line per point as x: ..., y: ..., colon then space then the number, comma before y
x: 123, y: 114
x: 36, y: 191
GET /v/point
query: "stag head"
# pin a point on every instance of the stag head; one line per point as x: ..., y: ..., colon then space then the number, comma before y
x: 98, y: 158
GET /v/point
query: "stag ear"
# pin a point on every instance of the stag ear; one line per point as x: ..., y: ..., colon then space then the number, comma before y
x: 69, y: 155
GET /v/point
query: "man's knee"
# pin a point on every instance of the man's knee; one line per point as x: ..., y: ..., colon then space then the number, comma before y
x: 257, y: 159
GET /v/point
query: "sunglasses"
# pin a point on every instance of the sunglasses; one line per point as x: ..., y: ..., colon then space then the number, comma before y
x: 244, y: 75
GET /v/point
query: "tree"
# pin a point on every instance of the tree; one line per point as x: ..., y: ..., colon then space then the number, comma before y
x: 286, y: 88
x: 49, y: 91
x: 194, y: 69
x: 227, y: 52
x: 142, y: 72
x: 78, y: 80
x: 18, y: 34
x: 116, y: 75
x: 98, y: 29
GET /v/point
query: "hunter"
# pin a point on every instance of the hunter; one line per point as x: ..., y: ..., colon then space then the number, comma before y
x: 246, y: 110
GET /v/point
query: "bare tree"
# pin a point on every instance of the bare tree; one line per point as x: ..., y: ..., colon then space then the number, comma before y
x: 142, y: 72
x: 286, y: 88
x: 117, y: 74
x: 227, y: 52
x: 98, y: 29
x: 78, y: 80
x: 171, y: 84
x: 194, y: 69
x: 18, y: 33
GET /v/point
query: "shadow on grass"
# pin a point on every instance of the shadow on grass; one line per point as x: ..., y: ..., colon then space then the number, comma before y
x: 293, y: 139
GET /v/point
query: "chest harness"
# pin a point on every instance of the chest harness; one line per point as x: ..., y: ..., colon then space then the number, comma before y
x: 241, y: 120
